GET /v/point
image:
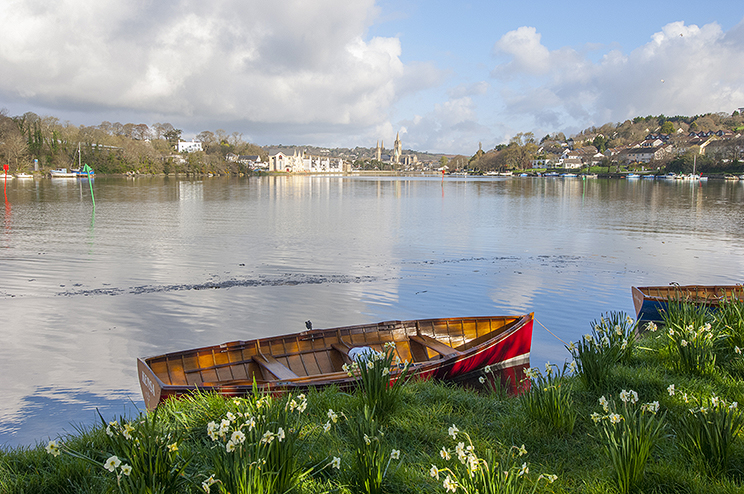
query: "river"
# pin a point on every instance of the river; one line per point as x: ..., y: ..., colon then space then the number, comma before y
x: 163, y: 264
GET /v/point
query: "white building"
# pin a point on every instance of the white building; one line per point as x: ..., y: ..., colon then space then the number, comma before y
x: 189, y: 146
x: 299, y: 163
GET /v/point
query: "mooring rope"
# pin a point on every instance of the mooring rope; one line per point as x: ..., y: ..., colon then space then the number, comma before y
x: 549, y: 331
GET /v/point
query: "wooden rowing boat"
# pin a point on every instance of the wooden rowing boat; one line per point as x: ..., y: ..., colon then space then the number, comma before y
x: 650, y: 300
x: 455, y: 349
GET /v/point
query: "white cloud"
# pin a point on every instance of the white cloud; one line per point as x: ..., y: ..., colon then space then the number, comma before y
x: 452, y: 126
x: 290, y: 62
x: 528, y: 54
x: 702, y: 69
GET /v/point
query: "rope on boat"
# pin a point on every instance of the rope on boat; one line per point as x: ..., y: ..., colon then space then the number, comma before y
x: 549, y: 331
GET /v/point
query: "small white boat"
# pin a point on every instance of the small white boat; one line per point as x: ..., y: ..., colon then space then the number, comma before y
x: 62, y: 173
x: 23, y: 175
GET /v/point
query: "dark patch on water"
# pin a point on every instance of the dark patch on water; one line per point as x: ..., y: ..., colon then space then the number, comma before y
x: 286, y: 280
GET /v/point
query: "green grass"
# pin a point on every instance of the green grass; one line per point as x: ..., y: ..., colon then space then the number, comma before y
x: 419, y: 429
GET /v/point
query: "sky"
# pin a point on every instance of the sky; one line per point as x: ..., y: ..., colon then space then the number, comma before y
x: 447, y: 77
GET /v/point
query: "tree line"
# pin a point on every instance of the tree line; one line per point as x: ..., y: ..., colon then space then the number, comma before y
x: 30, y: 141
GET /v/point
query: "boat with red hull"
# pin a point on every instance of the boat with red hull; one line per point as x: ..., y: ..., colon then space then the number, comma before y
x: 460, y: 350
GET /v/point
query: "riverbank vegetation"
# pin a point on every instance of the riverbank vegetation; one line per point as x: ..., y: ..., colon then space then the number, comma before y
x: 30, y: 141
x: 654, y: 414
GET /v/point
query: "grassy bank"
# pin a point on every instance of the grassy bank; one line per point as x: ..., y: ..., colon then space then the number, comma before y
x: 570, y: 425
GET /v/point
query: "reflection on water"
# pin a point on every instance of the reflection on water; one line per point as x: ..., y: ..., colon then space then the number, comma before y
x: 163, y: 264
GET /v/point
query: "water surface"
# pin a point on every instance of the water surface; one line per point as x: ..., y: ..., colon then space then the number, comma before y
x: 165, y: 264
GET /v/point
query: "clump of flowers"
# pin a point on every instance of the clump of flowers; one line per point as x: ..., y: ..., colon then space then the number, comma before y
x: 381, y: 377
x: 371, y: 457
x: 255, y: 445
x: 707, y: 429
x: 693, y: 338
x: 548, y: 400
x: 490, y: 474
x: 146, y: 456
x: 693, y: 350
x: 610, y: 341
x: 629, y: 435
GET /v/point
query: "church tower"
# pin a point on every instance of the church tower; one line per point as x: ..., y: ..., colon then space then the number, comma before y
x: 397, y: 149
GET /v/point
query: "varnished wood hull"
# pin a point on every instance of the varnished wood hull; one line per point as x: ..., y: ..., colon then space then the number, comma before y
x: 454, y: 349
x: 650, y: 301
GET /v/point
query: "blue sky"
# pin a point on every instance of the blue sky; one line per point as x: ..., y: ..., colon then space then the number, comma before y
x: 446, y: 75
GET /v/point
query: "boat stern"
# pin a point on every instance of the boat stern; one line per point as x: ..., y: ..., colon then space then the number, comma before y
x: 151, y: 386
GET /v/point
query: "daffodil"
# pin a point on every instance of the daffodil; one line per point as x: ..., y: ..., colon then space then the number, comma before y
x: 112, y: 463
x: 449, y: 484
x: 395, y: 454
x: 336, y: 463
x: 452, y: 431
x: 238, y: 437
x: 53, y: 448
x: 173, y: 447
x: 127, y: 431
x: 208, y: 483
x: 434, y: 472
x: 126, y: 469
x: 605, y: 405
